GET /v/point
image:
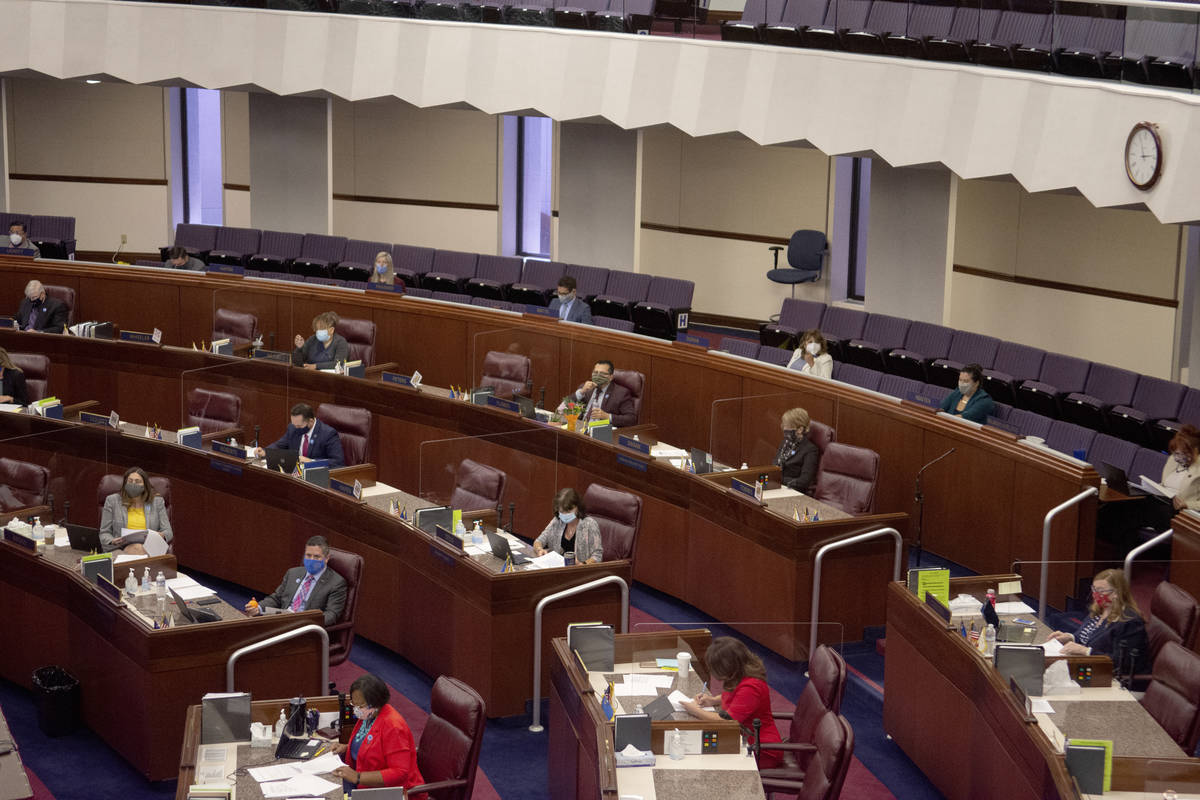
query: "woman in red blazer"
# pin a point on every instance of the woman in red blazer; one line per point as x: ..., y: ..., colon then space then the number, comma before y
x: 381, y: 751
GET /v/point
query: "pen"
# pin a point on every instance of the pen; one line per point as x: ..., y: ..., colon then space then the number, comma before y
x: 322, y: 750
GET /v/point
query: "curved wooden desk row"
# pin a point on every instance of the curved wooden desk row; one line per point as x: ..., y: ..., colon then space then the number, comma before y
x: 136, y: 683
x: 983, y: 506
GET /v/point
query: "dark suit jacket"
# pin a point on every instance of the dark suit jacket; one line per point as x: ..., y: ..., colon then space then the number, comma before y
x: 328, y: 595
x: 52, y: 315
x: 12, y: 383
x: 1118, y: 640
x: 979, y: 407
x: 578, y: 312
x: 313, y: 352
x: 618, y: 403
x: 798, y: 461
x: 324, y: 443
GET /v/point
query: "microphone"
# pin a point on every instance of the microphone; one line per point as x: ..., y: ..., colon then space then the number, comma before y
x: 542, y: 400
x: 512, y: 516
x: 257, y: 430
x: 757, y: 738
x: 66, y: 510
x: 920, y: 500
x: 272, y: 335
x: 499, y: 516
x: 50, y: 502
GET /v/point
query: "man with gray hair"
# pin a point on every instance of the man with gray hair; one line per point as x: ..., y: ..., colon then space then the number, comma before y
x: 312, y: 587
x: 40, y: 312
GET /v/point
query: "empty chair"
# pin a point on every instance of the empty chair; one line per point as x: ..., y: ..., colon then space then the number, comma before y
x: 212, y: 411
x: 589, y: 281
x: 1060, y: 375
x: 417, y: 291
x: 451, y: 297
x: 578, y: 13
x: 353, y: 426
x: 842, y: 325
x: 1111, y: 450
x: 925, y: 343
x: 970, y: 25
x: 740, y: 347
x: 276, y: 250
x: 238, y: 327
x: 318, y: 254
x: 448, y: 10
x: 54, y: 236
x: 666, y: 299
x: 64, y: 294
x: 507, y: 373
x: 823, y: 693
x: 805, y: 256
x: 622, y: 292
x: 886, y: 17
x: 488, y: 302
x: 341, y: 633
x: 321, y: 281
x: 358, y: 260
x: 1037, y: 53
x: 448, y: 752
x: 926, y: 22
x: 625, y: 15
x: 899, y: 386
x: 1066, y: 437
x: 1161, y: 52
x: 619, y: 515
x: 1153, y: 399
x: 842, y: 15
x: 881, y: 334
x: 846, y: 478
x: 756, y: 15
x: 1174, y: 617
x: 832, y: 749
x: 360, y: 335
x: 1106, y: 387
x: 1013, y: 29
x: 526, y: 12
x: 538, y: 279
x: 37, y: 373
x: 821, y: 435
x: 412, y: 263
x: 477, y: 487
x: 635, y: 382
x: 197, y: 240
x: 24, y: 485
x: 1161, y: 431
x: 493, y: 276
x: 234, y: 246
x: 450, y: 271
x: 965, y: 348
x: 1089, y: 47
x: 935, y: 390
x: 858, y: 376
x: 1149, y: 463
x: 774, y: 355
x: 1014, y: 363
x: 797, y: 16
x: 795, y: 317
x: 1173, y: 696
x: 613, y: 323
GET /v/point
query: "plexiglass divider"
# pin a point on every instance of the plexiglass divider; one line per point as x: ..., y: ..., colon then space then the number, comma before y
x: 748, y: 430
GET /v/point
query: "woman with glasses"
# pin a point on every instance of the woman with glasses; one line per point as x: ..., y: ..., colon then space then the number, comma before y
x: 1114, y: 627
x: 381, y: 751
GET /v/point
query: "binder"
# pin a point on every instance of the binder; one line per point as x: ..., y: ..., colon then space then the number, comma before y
x: 225, y: 718
x: 99, y: 564
x: 593, y: 643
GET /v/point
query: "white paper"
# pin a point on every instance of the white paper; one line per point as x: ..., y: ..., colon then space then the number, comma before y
x: 641, y: 685
x: 321, y: 764
x: 213, y: 753
x: 126, y: 557
x: 1039, y: 706
x: 476, y: 550
x: 155, y: 544
x: 11, y: 408
x: 301, y: 785
x: 180, y: 581
x: 1154, y: 487
x: 1052, y: 647
x: 667, y: 451
x: 275, y: 772
x: 677, y: 699
x: 783, y: 491
x: 1013, y: 607
x: 548, y: 560
x: 196, y: 592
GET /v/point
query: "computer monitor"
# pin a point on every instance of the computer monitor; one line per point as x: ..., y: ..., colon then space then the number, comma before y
x: 1024, y: 664
x: 280, y: 459
x: 83, y: 538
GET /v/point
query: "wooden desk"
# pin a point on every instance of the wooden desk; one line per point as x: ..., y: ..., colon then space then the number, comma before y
x: 14, y: 783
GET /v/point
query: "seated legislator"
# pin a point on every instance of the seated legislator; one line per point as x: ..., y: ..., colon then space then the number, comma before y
x: 1181, y: 473
x: 311, y: 587
x: 604, y: 399
x: 12, y: 381
x: 798, y: 456
x: 745, y: 696
x: 381, y: 750
x: 137, y: 507
x: 969, y: 400
x: 571, y: 531
x: 19, y: 239
x: 385, y: 271
x: 566, y: 304
x: 1114, y: 626
x: 324, y: 348
x: 812, y: 356
x: 178, y: 258
x: 39, y: 312
x: 314, y: 440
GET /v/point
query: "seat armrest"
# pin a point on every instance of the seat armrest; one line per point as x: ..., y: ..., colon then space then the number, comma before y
x: 789, y: 747
x: 338, y: 627
x: 435, y: 786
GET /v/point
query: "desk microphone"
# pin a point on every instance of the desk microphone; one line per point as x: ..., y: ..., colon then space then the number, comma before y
x: 542, y: 399
x: 50, y: 502
x: 257, y: 430
x: 272, y: 335
x: 512, y: 516
x: 66, y: 511
x: 920, y: 498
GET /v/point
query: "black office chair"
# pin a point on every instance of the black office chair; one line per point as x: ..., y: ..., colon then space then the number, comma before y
x: 805, y: 254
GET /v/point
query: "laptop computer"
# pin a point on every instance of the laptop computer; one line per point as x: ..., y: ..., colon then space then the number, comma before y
x: 1117, y: 480
x: 298, y: 746
x: 528, y: 410
x: 278, y: 458
x: 1022, y: 663
x: 702, y: 461
x: 195, y: 615
x: 502, y: 550
x: 83, y: 538
x: 384, y: 793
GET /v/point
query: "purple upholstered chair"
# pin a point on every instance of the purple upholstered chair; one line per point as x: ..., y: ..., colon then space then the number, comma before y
x: 491, y: 302
x: 965, y: 348
x: 579, y: 13
x: 858, y: 376
x: 841, y: 15
x: 970, y: 25
x: 898, y: 386
x: 886, y: 17
x: 623, y: 325
x: 450, y: 271
x: 622, y: 292
x: 358, y: 262
x: 1090, y: 47
x: 590, y: 281
x: 451, y: 297
x: 276, y: 250
x: 493, y: 276
x: 1014, y: 363
x: 1014, y: 29
x: 234, y: 246
x: 1067, y: 437
x: 756, y: 15
x: 412, y: 263
x: 417, y: 291
x: 1106, y: 386
x: 1153, y: 399
x: 197, y: 240
x: 774, y: 355
x: 1149, y: 463
x: 924, y: 343
x: 1161, y: 52
x: 321, y: 281
x: 795, y: 316
x: 1060, y: 375
x: 881, y: 334
x: 797, y: 16
x: 1029, y: 423
x: 538, y: 281
x: 54, y: 236
x: 318, y: 255
x: 1163, y: 430
x: 935, y: 390
x: 846, y: 478
x: 926, y: 22
x: 1111, y: 450
x: 666, y: 299
x: 740, y: 347
x: 842, y: 325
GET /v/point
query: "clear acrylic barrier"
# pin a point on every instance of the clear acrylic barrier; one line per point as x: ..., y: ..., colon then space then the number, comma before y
x: 75, y: 459
x: 497, y: 361
x: 1172, y: 779
x: 1147, y: 571
x: 748, y: 430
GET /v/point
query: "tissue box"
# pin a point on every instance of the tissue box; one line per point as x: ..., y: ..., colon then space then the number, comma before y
x: 261, y: 735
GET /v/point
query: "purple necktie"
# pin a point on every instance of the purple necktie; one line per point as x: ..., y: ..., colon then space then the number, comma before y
x: 33, y: 315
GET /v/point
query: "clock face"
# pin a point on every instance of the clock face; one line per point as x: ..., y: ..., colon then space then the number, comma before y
x: 1143, y: 156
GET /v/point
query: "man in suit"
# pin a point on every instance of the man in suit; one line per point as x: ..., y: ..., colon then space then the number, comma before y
x: 604, y: 399
x: 18, y: 239
x: 314, y: 440
x: 566, y: 305
x: 311, y: 587
x: 40, y: 312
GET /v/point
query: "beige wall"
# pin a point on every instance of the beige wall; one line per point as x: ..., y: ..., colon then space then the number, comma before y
x: 730, y: 185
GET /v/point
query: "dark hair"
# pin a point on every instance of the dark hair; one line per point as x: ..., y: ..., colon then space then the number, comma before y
x: 611, y: 369
x: 569, y: 498
x: 374, y: 691
x: 16, y: 223
x: 567, y: 282
x: 147, y: 496
x: 729, y: 660
x: 303, y: 410
x: 176, y: 252
x: 1186, y: 437
x: 815, y: 335
x: 319, y: 541
x: 975, y: 371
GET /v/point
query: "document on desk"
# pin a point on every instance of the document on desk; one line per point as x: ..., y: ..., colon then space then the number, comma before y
x: 126, y: 557
x: 641, y: 685
x: 321, y: 764
x: 275, y: 772
x: 1039, y: 706
x: 548, y: 560
x: 1156, y: 488
x: 1052, y: 647
x: 188, y: 588
x: 677, y: 699
x: 298, y: 786
x: 781, y: 492
x: 667, y: 451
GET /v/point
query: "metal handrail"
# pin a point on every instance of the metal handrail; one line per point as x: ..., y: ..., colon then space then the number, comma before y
x: 536, y: 727
x: 254, y: 647
x: 1044, y: 583
x: 1143, y: 547
x: 816, y: 588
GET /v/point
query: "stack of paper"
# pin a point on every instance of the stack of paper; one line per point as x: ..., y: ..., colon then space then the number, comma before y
x: 187, y: 588
x: 667, y: 451
x: 548, y: 560
x: 642, y: 685
x: 298, y: 786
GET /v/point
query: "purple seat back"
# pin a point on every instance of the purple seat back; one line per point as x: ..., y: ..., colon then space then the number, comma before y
x: 885, y: 331
x: 590, y: 281
x: 670, y: 292
x: 1019, y: 361
x: 847, y: 476
x: 1106, y: 35
x: 195, y: 237
x: 971, y: 24
x: 858, y: 376
x: 542, y: 274
x: 898, y: 386
x: 763, y: 12
x: 931, y: 341
x: 630, y: 7
x: 847, y: 14
x: 1165, y: 40
x: 281, y: 244
x: 1070, y: 31
x: 360, y: 252
x: 887, y: 16
x: 803, y: 13
x: 628, y: 286
x: 1065, y: 373
x: 455, y: 262
x: 931, y: 20
x: 238, y: 240
x: 1067, y: 437
x: 1147, y: 462
x: 973, y: 348
x: 1113, y: 385
x: 1028, y: 423
x: 583, y: 5
x: 1158, y: 399
x: 453, y: 297
x: 843, y: 323
x: 51, y: 229
x: 322, y: 281
x: 323, y: 248
x: 935, y: 391
x: 417, y: 291
x: 1022, y: 28
x: 501, y: 269
x: 417, y: 260
x: 488, y: 302
x: 774, y: 355
x: 614, y: 323
x: 802, y: 315
x: 1189, y: 409
x: 740, y: 347
x: 1111, y: 450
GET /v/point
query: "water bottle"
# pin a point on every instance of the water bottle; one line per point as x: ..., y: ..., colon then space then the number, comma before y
x: 160, y: 587
x: 162, y: 609
x: 675, y: 749
x: 989, y: 641
x: 146, y: 581
x: 477, y: 534
x: 39, y: 532
x: 460, y: 530
x: 131, y: 583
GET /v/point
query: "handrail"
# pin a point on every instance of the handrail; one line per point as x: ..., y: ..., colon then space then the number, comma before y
x: 1143, y: 547
x: 536, y: 727
x: 1044, y: 583
x: 276, y: 639
x: 820, y: 557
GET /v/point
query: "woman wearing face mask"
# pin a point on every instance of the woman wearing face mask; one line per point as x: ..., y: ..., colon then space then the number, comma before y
x: 969, y: 400
x: 812, y: 356
x: 571, y: 531
x: 12, y: 381
x: 324, y: 349
x: 381, y: 751
x: 384, y: 271
x: 1181, y: 473
x: 136, y: 507
x: 1114, y: 626
x: 797, y: 457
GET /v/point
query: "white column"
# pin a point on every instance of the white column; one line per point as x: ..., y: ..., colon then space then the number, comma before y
x: 291, y: 164
x: 598, y: 178
x: 4, y: 146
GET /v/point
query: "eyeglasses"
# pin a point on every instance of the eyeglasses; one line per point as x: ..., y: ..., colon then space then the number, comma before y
x: 1098, y: 590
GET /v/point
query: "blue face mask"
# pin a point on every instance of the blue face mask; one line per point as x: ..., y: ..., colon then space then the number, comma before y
x: 567, y: 517
x: 314, y: 565
x: 323, y: 335
x: 381, y: 269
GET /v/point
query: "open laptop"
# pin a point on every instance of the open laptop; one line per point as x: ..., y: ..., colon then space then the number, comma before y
x: 702, y: 461
x: 84, y: 538
x: 502, y: 550
x: 1117, y: 480
x: 385, y: 793
x: 195, y: 615
x: 278, y: 458
x: 429, y: 519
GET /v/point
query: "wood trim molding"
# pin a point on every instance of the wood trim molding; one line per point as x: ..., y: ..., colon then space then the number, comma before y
x: 412, y: 201
x: 237, y: 187
x: 105, y: 256
x: 723, y: 321
x: 27, y: 176
x: 1025, y: 280
x: 732, y: 235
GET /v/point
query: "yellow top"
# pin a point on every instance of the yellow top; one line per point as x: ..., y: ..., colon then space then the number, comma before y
x: 136, y: 519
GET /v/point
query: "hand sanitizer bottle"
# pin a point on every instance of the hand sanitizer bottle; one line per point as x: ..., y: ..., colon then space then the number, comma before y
x: 39, y: 532
x: 160, y: 586
x: 460, y: 530
x: 675, y: 751
x: 131, y: 583
x: 477, y: 534
x: 146, y: 581
x: 280, y: 724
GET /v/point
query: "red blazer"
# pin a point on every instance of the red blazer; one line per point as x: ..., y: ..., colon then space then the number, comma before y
x: 389, y: 748
x: 752, y: 698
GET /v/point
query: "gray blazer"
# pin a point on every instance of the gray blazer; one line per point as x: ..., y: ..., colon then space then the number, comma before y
x: 114, y: 517
x: 578, y: 312
x: 329, y: 594
x: 587, y: 539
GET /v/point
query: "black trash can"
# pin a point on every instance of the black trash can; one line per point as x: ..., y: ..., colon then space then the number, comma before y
x: 56, y: 693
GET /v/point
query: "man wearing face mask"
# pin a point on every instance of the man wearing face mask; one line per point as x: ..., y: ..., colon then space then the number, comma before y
x: 969, y: 400
x: 325, y: 348
x: 178, y: 258
x: 311, y: 587
x: 137, y: 507
x: 19, y: 239
x: 40, y: 312
x: 797, y: 458
x: 604, y: 399
x: 566, y: 304
x: 312, y: 439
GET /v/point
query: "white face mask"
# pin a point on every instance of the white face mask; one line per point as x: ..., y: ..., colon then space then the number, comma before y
x: 363, y: 712
x: 964, y: 387
x: 813, y: 348
x: 15, y: 238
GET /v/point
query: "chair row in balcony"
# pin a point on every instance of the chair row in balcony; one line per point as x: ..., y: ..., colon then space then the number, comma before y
x: 54, y: 236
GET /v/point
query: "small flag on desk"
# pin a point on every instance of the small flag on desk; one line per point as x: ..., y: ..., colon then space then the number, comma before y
x: 606, y: 704
x: 404, y: 513
x: 816, y: 517
x: 393, y: 507
x: 796, y: 513
x: 962, y: 629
